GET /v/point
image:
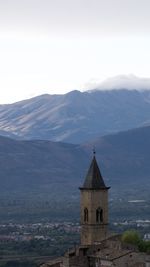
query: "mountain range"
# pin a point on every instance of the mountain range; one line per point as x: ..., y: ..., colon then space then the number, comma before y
x: 46, y: 146
x: 75, y: 117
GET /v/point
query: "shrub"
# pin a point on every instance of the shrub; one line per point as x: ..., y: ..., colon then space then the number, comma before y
x: 131, y: 237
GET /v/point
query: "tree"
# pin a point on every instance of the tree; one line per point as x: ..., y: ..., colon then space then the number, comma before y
x: 131, y: 237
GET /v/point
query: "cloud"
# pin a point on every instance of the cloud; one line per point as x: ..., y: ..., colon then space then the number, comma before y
x: 129, y: 82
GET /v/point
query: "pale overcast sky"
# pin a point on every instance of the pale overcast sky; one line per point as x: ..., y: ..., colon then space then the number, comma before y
x: 54, y: 46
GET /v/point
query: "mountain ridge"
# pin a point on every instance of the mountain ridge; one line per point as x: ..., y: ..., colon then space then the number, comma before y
x: 42, y: 165
x: 75, y: 117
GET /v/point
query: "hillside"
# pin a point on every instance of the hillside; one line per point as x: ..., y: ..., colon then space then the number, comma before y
x: 45, y: 166
x: 75, y: 117
x: 124, y: 158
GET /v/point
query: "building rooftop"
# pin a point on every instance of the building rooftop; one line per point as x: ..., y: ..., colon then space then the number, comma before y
x: 94, y: 179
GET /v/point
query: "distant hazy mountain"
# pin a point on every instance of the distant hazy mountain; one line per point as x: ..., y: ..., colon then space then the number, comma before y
x: 76, y: 117
x: 56, y: 170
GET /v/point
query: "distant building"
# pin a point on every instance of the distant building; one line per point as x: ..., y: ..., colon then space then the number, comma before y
x: 94, y: 207
x: 98, y: 248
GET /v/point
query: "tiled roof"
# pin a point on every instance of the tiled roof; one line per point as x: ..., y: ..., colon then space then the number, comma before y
x: 94, y: 179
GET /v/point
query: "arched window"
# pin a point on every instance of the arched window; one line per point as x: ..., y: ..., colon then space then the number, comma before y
x: 86, y: 215
x: 99, y: 215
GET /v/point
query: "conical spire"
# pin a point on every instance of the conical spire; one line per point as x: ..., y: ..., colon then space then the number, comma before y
x: 94, y: 179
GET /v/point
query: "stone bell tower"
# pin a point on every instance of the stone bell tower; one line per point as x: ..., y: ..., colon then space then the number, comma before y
x: 94, y: 206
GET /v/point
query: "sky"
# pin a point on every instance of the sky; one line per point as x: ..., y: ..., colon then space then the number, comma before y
x: 55, y: 46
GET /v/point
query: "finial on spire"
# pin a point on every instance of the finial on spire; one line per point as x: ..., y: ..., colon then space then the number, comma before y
x: 94, y: 152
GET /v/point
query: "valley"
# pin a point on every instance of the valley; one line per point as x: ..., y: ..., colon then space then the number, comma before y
x: 39, y: 179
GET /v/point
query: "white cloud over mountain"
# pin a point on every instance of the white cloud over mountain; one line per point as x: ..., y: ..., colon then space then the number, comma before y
x: 129, y: 82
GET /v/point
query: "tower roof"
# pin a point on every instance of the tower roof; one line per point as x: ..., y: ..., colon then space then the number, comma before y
x: 94, y: 179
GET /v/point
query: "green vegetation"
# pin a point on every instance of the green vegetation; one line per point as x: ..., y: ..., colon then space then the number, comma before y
x: 30, y: 244
x: 18, y: 264
x: 132, y: 237
x: 37, y: 248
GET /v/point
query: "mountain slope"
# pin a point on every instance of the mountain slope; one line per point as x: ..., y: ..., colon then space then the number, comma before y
x: 56, y: 170
x: 75, y: 117
x: 125, y: 158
